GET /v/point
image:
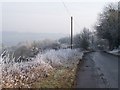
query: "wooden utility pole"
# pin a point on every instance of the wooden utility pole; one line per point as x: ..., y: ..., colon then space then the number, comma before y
x: 71, y: 32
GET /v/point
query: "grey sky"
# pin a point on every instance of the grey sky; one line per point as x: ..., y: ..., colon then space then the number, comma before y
x: 49, y: 17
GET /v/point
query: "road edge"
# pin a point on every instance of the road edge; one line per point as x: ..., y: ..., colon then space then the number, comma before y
x: 81, y: 61
x: 111, y: 54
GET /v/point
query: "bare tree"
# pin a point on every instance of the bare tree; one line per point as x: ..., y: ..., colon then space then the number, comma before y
x: 85, y: 36
x: 107, y: 27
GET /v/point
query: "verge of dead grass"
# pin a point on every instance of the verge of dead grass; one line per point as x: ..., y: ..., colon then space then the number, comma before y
x: 62, y: 77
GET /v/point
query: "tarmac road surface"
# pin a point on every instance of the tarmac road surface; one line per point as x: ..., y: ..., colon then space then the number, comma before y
x: 98, y: 70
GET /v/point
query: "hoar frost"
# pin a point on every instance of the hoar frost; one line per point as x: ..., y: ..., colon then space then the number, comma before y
x: 23, y: 74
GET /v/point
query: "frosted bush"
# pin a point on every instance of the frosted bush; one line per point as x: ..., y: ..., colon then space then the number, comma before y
x: 64, y: 57
x: 23, y: 74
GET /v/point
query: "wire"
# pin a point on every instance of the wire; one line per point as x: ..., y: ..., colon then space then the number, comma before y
x: 67, y: 10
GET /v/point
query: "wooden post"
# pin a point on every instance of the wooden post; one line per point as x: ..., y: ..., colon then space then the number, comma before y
x: 71, y: 32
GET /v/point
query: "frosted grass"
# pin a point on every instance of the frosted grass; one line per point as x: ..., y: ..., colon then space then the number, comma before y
x: 23, y: 74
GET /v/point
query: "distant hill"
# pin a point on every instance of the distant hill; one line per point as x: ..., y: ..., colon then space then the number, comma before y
x: 12, y: 38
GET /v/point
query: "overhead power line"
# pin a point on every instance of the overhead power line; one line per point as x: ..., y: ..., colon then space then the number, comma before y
x: 69, y: 13
x: 67, y: 10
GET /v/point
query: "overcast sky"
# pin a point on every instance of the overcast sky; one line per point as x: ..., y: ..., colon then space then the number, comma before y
x: 49, y: 17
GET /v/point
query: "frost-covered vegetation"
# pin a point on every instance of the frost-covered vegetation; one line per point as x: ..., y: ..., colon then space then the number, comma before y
x: 115, y: 52
x: 39, y: 71
x: 107, y: 26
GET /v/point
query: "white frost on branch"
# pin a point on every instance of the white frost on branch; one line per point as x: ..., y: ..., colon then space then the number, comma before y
x: 22, y: 74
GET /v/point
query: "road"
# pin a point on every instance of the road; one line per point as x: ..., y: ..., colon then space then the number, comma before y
x: 98, y: 70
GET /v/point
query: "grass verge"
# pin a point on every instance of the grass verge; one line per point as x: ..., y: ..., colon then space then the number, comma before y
x: 59, y: 78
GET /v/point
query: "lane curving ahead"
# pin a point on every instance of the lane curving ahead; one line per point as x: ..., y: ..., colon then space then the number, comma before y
x: 98, y: 70
x: 108, y: 65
